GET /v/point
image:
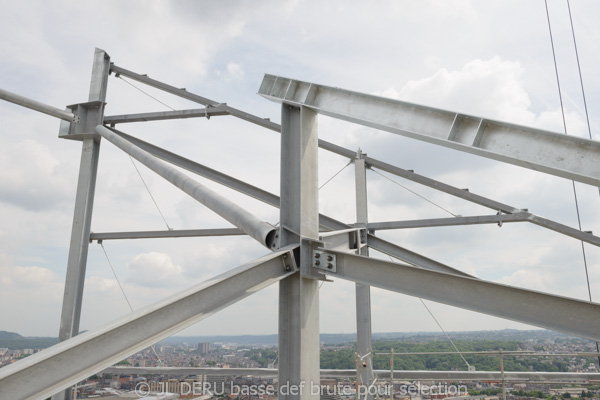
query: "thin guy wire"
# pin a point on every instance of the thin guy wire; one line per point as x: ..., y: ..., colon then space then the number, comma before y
x: 441, y: 328
x: 566, y: 133
x: 413, y: 192
x: 587, y: 277
x: 336, y: 174
x: 124, y: 295
x: 587, y: 116
x: 150, y: 193
x: 447, y: 337
x: 562, y: 109
x: 147, y: 94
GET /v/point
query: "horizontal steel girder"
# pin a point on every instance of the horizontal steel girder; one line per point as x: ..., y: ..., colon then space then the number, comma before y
x: 236, y: 215
x: 166, y: 234
x: 381, y: 374
x: 563, y: 314
x: 68, y: 362
x: 553, y: 153
x: 165, y: 115
x: 451, y: 221
x: 488, y: 219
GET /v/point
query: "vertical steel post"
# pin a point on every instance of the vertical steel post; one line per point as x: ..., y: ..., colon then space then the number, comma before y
x: 502, y: 375
x: 299, y: 372
x: 363, y: 292
x: 392, y: 373
x: 82, y: 216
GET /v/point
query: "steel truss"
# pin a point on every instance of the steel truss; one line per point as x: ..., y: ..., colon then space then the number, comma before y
x: 308, y: 246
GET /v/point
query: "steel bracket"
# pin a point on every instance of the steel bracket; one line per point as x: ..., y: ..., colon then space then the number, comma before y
x: 346, y: 240
x: 88, y: 116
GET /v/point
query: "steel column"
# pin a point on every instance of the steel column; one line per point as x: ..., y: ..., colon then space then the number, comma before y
x: 363, y: 292
x: 298, y: 294
x: 78, y: 248
x: 562, y: 314
x: 67, y: 363
x: 82, y: 217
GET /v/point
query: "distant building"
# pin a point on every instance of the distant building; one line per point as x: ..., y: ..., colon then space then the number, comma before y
x: 167, y: 349
x: 204, y: 348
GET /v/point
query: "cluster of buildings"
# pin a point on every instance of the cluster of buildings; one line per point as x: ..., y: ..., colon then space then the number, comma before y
x: 231, y: 387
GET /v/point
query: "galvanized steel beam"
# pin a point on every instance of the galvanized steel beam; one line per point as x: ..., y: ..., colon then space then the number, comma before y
x: 56, y: 368
x: 362, y: 291
x: 255, y: 228
x: 553, y: 153
x: 410, y: 375
x: 37, y: 106
x: 299, y: 215
x: 183, y: 93
x: 452, y: 221
x: 166, y: 234
x: 571, y: 316
x: 166, y: 115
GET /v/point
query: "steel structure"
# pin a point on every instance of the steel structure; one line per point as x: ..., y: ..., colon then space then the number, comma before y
x: 307, y: 246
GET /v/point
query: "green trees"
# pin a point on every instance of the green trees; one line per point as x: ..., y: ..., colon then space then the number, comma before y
x: 343, y: 358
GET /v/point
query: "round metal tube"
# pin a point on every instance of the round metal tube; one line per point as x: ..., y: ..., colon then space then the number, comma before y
x: 247, y: 222
x: 36, y: 105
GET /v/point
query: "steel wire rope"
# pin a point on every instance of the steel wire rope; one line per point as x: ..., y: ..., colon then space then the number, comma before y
x: 125, y: 295
x: 562, y: 109
x: 334, y: 175
x: 150, y: 193
x: 135, y: 166
x: 441, y: 328
x: 413, y: 192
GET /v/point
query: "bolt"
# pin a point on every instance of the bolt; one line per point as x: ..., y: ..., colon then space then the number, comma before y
x: 284, y: 256
x: 317, y: 255
x: 317, y: 262
x: 329, y: 258
x: 288, y: 268
x: 329, y: 265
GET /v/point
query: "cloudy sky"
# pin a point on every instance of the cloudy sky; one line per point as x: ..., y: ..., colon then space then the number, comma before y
x: 486, y: 58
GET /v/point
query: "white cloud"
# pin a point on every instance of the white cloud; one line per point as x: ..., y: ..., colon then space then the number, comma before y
x: 154, y: 270
x: 235, y: 71
x: 37, y: 184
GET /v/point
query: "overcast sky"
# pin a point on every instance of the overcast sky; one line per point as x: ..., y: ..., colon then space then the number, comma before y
x: 487, y: 58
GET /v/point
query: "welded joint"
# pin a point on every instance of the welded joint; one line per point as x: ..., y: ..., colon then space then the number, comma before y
x: 324, y: 260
